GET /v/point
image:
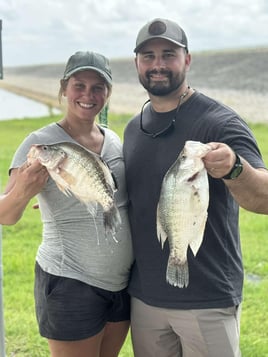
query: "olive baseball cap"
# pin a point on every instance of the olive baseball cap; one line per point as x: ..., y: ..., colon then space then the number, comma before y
x: 161, y: 28
x: 82, y: 61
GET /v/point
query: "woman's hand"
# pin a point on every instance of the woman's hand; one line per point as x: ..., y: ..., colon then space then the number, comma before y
x: 24, y: 183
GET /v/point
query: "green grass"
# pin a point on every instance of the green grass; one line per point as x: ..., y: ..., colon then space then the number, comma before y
x: 20, y: 243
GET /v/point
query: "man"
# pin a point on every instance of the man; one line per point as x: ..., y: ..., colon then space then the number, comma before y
x: 203, y: 318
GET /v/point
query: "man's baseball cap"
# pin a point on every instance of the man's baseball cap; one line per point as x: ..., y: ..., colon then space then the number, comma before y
x: 161, y: 28
x: 82, y: 61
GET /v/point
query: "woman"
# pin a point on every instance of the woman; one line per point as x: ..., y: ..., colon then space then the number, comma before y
x: 82, y: 305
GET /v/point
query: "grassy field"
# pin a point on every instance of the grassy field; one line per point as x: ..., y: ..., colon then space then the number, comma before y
x: 20, y: 243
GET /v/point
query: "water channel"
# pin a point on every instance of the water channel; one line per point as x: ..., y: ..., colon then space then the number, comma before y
x: 13, y: 106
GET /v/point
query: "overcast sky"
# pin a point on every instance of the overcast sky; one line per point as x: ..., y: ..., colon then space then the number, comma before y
x: 49, y: 31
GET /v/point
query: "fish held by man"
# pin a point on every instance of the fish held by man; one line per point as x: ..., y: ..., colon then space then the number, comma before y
x: 82, y: 174
x: 182, y: 210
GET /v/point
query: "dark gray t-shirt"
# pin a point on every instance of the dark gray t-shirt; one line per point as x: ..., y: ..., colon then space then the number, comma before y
x: 74, y: 244
x: 216, y: 273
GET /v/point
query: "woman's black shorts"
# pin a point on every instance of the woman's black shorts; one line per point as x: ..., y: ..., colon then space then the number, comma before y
x: 70, y: 310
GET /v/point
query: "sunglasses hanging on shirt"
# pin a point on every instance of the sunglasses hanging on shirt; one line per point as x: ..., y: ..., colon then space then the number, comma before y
x: 169, y: 127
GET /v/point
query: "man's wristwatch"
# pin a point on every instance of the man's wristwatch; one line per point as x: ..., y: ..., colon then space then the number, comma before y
x: 236, y: 169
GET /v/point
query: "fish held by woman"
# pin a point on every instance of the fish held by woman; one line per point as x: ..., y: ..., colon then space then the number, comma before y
x: 83, y: 174
x: 182, y: 210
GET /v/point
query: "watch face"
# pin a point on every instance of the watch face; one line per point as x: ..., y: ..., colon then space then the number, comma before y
x: 236, y: 171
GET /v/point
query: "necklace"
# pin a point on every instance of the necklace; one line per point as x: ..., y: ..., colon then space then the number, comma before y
x: 170, y: 126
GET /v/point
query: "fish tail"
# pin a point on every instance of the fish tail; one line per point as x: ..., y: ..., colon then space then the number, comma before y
x: 112, y: 220
x: 177, y: 273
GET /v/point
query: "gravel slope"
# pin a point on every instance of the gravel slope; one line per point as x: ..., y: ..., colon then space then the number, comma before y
x: 238, y: 78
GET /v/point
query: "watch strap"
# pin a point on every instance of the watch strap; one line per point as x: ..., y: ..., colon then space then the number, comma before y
x: 236, y: 169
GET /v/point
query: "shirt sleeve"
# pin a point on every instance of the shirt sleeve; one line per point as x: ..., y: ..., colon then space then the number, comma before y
x: 20, y: 155
x: 237, y: 134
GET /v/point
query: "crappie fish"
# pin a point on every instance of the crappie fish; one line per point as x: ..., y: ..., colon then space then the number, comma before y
x: 83, y: 174
x: 182, y: 210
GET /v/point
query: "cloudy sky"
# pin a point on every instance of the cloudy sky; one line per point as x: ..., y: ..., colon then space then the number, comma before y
x: 49, y: 31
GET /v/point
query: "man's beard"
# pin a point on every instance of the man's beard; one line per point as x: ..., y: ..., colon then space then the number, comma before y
x: 162, y: 88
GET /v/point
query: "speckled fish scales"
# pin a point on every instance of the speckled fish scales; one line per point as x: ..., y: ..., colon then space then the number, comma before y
x: 182, y: 210
x: 83, y: 174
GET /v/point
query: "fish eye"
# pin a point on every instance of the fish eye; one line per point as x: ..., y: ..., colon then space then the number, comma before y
x: 45, y: 147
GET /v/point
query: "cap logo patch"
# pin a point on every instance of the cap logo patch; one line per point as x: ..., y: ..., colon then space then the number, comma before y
x: 157, y: 28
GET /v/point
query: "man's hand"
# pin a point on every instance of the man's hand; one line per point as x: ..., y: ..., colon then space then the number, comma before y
x: 220, y: 160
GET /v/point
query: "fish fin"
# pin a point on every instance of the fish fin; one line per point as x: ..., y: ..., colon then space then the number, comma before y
x: 97, y: 232
x: 63, y: 180
x: 66, y: 176
x: 197, y: 241
x: 109, y: 175
x: 115, y: 186
x: 195, y: 244
x: 64, y: 189
x: 161, y: 234
x: 92, y: 208
x: 112, y: 220
x: 177, y: 272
